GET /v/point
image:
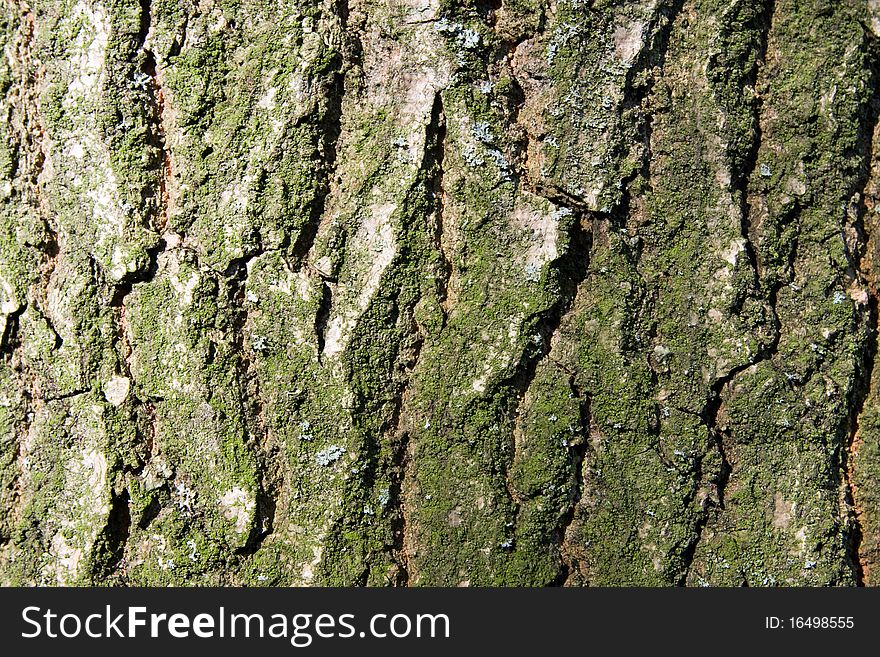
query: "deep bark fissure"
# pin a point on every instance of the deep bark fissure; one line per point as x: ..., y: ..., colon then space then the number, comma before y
x: 400, y: 467
x: 742, y: 178
x: 636, y: 95
x: 571, y: 269
x: 256, y: 432
x: 117, y: 529
x: 398, y: 474
x: 112, y: 540
x: 157, y: 138
x: 866, y: 272
x: 330, y: 125
x: 28, y: 170
x: 436, y: 138
x: 10, y: 341
x: 709, y: 418
x: 862, y: 391
x: 301, y: 248
x: 322, y: 316
x: 567, y: 562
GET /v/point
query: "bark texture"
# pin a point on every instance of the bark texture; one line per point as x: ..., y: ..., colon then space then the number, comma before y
x: 439, y: 292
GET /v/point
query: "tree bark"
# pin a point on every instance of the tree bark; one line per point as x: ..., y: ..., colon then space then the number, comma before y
x: 426, y: 292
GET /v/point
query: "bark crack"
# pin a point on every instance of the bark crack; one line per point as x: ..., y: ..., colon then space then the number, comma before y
x: 31, y: 155
x: 866, y: 268
x: 159, y: 117
x: 257, y: 432
x: 436, y: 138
x: 331, y: 125
x: 401, y: 463
x: 743, y: 167
x: 568, y: 560
x: 571, y: 270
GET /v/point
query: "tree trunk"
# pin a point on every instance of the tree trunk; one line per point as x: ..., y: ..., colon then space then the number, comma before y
x: 425, y: 292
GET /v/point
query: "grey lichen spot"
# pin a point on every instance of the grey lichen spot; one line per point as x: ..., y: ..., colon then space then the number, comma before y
x: 471, y: 157
x: 384, y: 497
x: 500, y: 162
x: 533, y: 275
x: 464, y: 36
x: 186, y: 497
x: 482, y: 132
x: 329, y: 455
x: 560, y: 213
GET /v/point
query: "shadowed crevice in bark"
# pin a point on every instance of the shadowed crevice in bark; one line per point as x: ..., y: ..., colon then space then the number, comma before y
x: 382, y: 421
x: 866, y: 267
x: 158, y: 200
x: 747, y: 61
x: 400, y: 464
x: 10, y: 341
x: 861, y: 393
x: 744, y: 156
x: 641, y: 80
x: 570, y: 271
x: 432, y: 165
x: 331, y: 130
x: 322, y: 316
x: 569, y: 564
x: 389, y: 457
x: 257, y: 437
x: 346, y: 63
x: 155, y: 208
x: 26, y: 132
x: 434, y: 157
x: 110, y: 544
